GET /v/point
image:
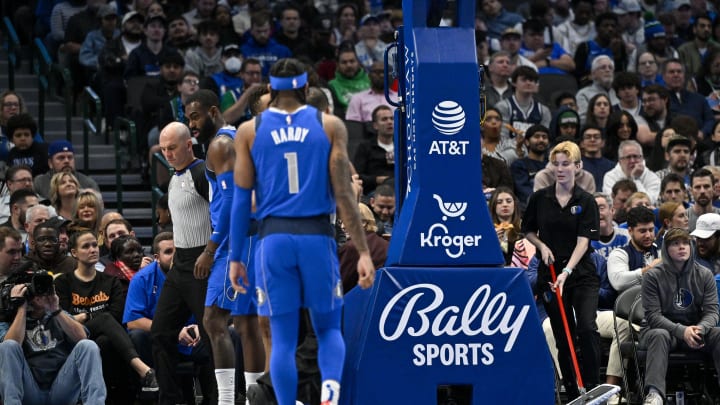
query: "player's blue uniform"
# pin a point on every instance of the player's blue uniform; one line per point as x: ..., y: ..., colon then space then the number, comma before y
x: 296, y: 263
x: 220, y: 291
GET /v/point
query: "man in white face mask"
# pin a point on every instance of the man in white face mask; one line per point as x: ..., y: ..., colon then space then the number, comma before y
x: 235, y: 104
x: 230, y: 78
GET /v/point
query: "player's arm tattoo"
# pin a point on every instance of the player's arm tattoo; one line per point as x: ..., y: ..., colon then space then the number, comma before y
x: 341, y: 177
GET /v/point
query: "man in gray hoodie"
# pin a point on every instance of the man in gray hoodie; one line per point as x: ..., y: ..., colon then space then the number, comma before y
x: 681, y: 308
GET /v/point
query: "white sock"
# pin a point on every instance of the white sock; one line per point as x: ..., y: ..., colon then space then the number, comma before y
x: 251, y: 378
x: 330, y: 392
x: 226, y: 385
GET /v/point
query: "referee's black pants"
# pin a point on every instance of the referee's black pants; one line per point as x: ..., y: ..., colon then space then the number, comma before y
x: 182, y: 295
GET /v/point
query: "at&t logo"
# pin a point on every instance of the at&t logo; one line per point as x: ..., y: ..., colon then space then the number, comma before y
x: 448, y: 118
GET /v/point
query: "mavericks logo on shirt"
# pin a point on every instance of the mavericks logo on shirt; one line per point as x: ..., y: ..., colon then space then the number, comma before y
x: 683, y: 299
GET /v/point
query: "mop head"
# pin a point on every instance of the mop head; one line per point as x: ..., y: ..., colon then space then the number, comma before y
x: 596, y: 396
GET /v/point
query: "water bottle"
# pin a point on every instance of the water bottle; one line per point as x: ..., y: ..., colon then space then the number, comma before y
x: 679, y: 397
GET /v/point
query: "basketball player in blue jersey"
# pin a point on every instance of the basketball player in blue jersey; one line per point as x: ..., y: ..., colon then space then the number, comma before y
x: 207, y: 124
x: 295, y: 159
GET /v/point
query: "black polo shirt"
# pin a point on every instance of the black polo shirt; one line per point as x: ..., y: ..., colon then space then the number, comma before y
x: 559, y: 227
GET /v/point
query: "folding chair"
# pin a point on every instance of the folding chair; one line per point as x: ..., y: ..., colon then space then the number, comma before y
x: 692, y: 364
x: 623, y: 307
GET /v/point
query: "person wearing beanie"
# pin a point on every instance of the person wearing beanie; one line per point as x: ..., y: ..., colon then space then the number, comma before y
x: 565, y: 123
x: 656, y: 42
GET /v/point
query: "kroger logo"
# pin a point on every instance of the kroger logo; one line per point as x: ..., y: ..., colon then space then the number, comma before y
x: 448, y: 117
x: 439, y: 235
x: 452, y: 210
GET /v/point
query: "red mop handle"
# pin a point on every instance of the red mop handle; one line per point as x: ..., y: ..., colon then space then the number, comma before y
x: 581, y: 387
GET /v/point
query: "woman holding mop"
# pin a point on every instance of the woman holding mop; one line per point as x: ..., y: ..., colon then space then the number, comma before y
x: 560, y: 221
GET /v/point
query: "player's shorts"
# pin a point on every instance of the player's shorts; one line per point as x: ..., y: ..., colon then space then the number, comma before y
x: 220, y: 291
x: 294, y: 271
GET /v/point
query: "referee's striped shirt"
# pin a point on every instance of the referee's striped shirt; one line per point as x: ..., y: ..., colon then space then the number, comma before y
x: 190, y: 211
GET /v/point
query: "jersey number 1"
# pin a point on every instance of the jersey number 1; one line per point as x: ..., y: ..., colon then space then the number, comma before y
x: 293, y: 180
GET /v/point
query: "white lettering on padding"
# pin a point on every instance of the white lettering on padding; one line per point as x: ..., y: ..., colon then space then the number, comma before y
x: 482, y: 314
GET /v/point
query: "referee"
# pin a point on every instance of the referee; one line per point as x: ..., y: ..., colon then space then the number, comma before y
x: 184, y: 291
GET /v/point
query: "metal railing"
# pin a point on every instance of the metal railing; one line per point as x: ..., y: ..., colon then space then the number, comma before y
x: 13, y: 50
x: 157, y: 160
x: 92, y: 122
x: 51, y: 77
x: 126, y: 127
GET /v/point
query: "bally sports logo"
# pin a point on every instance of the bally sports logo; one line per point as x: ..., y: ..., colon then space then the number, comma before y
x: 420, y: 311
x: 448, y: 118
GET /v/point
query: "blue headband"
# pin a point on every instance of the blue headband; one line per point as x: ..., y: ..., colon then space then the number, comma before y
x: 288, y: 83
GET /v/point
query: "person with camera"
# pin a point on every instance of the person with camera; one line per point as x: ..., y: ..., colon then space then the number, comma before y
x: 46, y: 355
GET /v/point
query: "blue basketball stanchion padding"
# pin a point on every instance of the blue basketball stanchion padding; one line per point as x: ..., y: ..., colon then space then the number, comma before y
x: 443, y: 217
x: 421, y: 328
x: 443, y: 317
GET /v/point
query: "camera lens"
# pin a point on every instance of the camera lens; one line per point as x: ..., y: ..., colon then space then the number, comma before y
x: 42, y: 284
